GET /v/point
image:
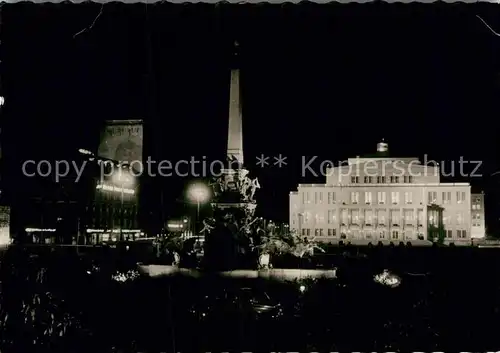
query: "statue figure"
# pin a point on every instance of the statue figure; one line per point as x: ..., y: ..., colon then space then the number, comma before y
x: 222, y: 183
x: 242, y: 174
x: 214, y: 185
x: 217, y: 186
x: 245, y: 185
x: 207, y: 228
x: 246, y: 227
x: 254, y: 186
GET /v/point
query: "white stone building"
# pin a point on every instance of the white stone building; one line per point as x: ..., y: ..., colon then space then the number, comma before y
x: 384, y: 199
x: 478, y: 228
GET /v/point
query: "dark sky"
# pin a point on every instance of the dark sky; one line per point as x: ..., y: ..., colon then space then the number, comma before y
x: 325, y: 80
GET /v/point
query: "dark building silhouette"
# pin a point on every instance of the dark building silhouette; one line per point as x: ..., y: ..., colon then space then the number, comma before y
x: 54, y: 213
x: 112, y: 213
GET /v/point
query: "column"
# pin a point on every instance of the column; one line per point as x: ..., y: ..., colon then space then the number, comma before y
x: 235, y: 128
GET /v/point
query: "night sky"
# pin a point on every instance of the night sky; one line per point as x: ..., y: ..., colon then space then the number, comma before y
x: 326, y: 80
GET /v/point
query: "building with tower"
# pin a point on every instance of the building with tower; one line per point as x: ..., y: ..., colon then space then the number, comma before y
x: 112, y: 214
x: 386, y: 199
x: 101, y: 204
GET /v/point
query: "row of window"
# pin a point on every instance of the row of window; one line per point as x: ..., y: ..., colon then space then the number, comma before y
x: 476, y: 220
x: 356, y: 216
x: 459, y: 218
x: 319, y: 232
x: 381, y: 197
x: 367, y: 235
x: 407, y: 179
x: 369, y: 216
x: 460, y: 197
x: 460, y: 233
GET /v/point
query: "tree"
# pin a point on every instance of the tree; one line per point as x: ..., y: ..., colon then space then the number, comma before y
x: 33, y: 317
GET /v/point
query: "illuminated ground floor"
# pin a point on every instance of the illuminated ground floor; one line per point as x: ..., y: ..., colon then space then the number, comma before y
x: 97, y: 236
x: 91, y: 236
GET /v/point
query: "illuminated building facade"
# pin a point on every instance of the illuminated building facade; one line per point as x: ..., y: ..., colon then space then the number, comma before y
x: 384, y: 199
x: 112, y: 215
x: 478, y: 230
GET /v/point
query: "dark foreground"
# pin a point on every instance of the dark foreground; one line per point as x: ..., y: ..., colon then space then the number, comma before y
x: 448, y: 301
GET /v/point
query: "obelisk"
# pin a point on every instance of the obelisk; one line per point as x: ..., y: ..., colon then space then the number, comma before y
x: 234, y: 181
x: 235, y: 129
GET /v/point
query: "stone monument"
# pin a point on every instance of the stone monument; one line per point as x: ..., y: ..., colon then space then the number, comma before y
x: 234, y: 189
x: 231, y: 231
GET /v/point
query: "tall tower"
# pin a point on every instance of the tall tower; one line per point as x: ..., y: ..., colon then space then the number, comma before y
x: 234, y: 190
x: 235, y: 129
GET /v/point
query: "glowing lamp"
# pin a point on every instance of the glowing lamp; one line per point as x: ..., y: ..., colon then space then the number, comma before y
x: 198, y: 193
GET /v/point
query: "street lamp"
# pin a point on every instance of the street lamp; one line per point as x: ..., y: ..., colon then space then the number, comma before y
x: 124, y: 180
x: 198, y: 193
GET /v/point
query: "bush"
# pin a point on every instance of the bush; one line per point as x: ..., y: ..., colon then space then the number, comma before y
x: 32, y: 315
